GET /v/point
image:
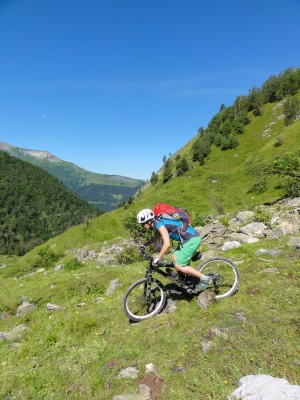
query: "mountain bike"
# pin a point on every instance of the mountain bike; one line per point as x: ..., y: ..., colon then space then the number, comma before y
x: 147, y: 296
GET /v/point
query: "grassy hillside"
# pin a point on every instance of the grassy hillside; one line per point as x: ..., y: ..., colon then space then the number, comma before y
x: 224, y: 182
x: 78, y: 351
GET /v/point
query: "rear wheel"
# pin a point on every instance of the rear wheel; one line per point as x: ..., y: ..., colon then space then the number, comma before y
x: 225, y: 274
x: 143, y: 300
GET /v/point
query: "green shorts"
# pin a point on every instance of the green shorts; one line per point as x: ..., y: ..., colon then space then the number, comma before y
x: 186, y: 251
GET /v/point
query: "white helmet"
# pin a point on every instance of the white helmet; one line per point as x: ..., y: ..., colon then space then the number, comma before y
x: 145, y: 215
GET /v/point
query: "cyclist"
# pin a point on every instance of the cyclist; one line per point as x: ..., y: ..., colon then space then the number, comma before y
x: 189, y: 241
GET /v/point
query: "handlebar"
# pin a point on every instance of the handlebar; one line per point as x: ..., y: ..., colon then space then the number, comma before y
x: 148, y: 257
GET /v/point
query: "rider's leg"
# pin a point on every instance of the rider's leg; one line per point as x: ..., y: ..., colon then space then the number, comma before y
x: 182, y: 257
x: 188, y: 270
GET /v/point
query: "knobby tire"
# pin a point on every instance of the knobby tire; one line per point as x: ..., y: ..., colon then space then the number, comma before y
x: 230, y: 276
x: 137, y: 307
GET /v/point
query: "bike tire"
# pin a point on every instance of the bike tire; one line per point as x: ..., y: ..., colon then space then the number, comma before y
x: 229, y: 273
x: 137, y: 307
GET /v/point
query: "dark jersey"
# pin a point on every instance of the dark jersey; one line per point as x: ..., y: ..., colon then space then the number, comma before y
x: 174, y: 230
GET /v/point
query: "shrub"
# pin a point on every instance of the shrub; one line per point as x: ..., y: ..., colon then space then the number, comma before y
x: 291, y: 110
x: 129, y: 255
x: 278, y: 141
x: 258, y: 187
x: 182, y: 166
x: 262, y: 215
x: 198, y: 220
x: 46, y: 258
x: 73, y: 264
x: 293, y: 187
x: 154, y: 178
x: 136, y: 231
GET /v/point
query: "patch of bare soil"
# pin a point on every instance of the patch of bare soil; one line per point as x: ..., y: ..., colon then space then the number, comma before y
x: 154, y: 383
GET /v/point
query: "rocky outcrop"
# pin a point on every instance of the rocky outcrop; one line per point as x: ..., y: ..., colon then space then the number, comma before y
x: 280, y: 219
x: 265, y: 387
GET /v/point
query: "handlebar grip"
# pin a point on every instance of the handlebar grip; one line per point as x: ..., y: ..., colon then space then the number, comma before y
x: 162, y: 263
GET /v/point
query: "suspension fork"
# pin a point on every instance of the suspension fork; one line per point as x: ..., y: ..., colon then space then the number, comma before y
x: 147, y: 287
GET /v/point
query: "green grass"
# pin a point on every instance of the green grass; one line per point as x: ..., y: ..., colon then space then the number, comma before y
x: 78, y: 352
x: 235, y: 170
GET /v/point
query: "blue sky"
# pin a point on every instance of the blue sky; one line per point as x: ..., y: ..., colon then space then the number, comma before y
x: 115, y: 85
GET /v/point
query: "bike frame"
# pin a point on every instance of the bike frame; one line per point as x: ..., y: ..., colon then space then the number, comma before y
x: 167, y: 274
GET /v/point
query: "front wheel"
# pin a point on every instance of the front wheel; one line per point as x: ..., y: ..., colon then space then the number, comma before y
x: 225, y: 274
x: 143, y: 299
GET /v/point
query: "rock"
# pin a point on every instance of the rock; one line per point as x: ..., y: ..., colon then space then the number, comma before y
x: 275, y: 233
x: 294, y: 242
x: 178, y: 370
x: 293, y: 202
x: 145, y: 391
x: 170, y: 307
x: 53, y: 307
x: 206, y: 299
x: 130, y: 372
x: 99, y: 300
x: 254, y: 228
x: 60, y: 266
x: 108, y: 260
x: 287, y: 228
x: 271, y: 252
x: 206, y: 345
x: 244, y: 216
x: 231, y: 245
x: 240, y: 316
x: 265, y: 387
x: 150, y: 368
x: 242, y: 237
x: 113, y: 286
x: 219, y: 333
x: 39, y: 270
x: 17, y: 333
x: 25, y: 308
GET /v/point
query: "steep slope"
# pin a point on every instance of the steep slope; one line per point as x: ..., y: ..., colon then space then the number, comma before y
x: 234, y: 178
x: 34, y: 206
x: 105, y: 192
x: 254, y: 332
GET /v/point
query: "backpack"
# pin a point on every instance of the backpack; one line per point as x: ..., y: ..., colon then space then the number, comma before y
x: 163, y: 210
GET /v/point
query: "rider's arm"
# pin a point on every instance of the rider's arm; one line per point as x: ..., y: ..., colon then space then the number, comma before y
x: 166, y: 241
x: 152, y: 240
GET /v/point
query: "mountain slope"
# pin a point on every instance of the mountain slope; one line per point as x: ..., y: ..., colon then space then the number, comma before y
x: 34, y: 206
x: 105, y: 192
x: 234, y: 178
x: 75, y: 351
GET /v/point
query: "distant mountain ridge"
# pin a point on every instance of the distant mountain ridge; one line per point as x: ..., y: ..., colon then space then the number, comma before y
x: 38, y: 154
x: 105, y: 192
